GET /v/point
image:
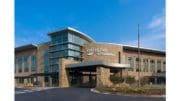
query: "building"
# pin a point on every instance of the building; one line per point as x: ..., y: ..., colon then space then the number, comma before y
x: 74, y: 58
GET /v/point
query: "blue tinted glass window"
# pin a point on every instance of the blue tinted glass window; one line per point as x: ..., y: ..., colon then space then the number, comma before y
x: 26, y: 69
x: 33, y: 63
x: 19, y: 64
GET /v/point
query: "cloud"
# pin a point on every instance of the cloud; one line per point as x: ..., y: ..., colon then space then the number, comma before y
x: 154, y: 36
x: 158, y: 22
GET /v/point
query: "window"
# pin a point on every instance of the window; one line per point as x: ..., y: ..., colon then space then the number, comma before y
x: 130, y: 61
x: 74, y: 47
x: 152, y: 65
x: 16, y: 63
x: 54, y: 68
x: 26, y: 69
x: 145, y: 63
x: 73, y: 53
x: 138, y: 67
x: 33, y: 63
x: 21, y: 80
x: 20, y: 64
x: 159, y: 66
x: 164, y: 66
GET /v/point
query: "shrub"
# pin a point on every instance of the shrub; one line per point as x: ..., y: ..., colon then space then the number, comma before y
x: 130, y: 80
x: 144, y: 80
x: 115, y: 79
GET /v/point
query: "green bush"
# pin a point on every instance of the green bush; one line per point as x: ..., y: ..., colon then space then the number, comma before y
x: 115, y: 79
x: 130, y: 80
x: 144, y: 81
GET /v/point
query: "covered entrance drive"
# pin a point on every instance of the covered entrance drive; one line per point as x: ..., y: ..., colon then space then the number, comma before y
x: 89, y: 74
x: 82, y: 76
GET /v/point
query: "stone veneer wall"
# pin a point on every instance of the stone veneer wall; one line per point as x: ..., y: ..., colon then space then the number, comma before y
x: 103, y: 77
x: 116, y: 50
x: 143, y: 56
x: 63, y: 73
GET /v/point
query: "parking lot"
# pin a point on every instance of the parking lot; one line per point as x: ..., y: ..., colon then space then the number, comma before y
x: 73, y: 94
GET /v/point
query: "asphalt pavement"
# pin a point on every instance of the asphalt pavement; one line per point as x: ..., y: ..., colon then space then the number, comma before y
x: 74, y: 94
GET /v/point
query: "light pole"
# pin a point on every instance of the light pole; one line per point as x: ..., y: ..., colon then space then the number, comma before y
x: 139, y: 66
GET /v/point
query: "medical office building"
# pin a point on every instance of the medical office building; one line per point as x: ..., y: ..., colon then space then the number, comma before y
x: 73, y: 58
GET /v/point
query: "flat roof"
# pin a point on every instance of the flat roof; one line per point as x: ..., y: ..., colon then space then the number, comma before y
x: 81, y: 34
x: 97, y: 63
x: 144, y: 50
x: 25, y: 47
x: 135, y: 48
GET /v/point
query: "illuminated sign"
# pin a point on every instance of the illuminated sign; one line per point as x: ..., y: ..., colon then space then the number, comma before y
x: 99, y: 51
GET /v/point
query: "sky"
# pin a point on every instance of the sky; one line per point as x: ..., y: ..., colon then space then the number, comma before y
x: 111, y: 21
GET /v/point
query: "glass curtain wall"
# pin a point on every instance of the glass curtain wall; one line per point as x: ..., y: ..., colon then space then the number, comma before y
x: 64, y: 45
x: 26, y: 69
x: 20, y: 64
x: 33, y: 63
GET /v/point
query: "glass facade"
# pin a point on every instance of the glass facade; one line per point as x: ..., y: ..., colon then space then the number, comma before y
x: 130, y: 61
x: 145, y: 64
x: 33, y: 63
x: 64, y: 45
x: 20, y: 64
x: 26, y: 69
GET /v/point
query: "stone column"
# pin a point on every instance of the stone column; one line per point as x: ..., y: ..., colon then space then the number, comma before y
x: 103, y: 77
x: 50, y: 81
x: 41, y: 81
x: 155, y: 61
x: 63, y: 73
x: 124, y: 73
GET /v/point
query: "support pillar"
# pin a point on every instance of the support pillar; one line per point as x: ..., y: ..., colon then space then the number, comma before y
x: 103, y: 77
x: 63, y: 73
x: 155, y: 61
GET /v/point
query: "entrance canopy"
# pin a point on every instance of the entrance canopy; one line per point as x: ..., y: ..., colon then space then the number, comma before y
x: 98, y: 63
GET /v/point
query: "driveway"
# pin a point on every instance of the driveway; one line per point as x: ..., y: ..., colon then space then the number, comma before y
x: 74, y: 94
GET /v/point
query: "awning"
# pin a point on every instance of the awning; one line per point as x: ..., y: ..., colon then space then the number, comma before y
x: 97, y: 63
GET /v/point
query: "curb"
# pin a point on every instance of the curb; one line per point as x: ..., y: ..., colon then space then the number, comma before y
x: 109, y: 93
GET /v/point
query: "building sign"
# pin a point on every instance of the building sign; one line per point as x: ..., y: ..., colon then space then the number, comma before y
x: 99, y: 51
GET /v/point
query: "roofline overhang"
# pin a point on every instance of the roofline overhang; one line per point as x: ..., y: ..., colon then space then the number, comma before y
x: 25, y: 47
x: 131, y: 48
x: 97, y: 63
x: 81, y: 34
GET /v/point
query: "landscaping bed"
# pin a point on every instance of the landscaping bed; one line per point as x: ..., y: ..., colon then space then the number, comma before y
x: 133, y: 90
